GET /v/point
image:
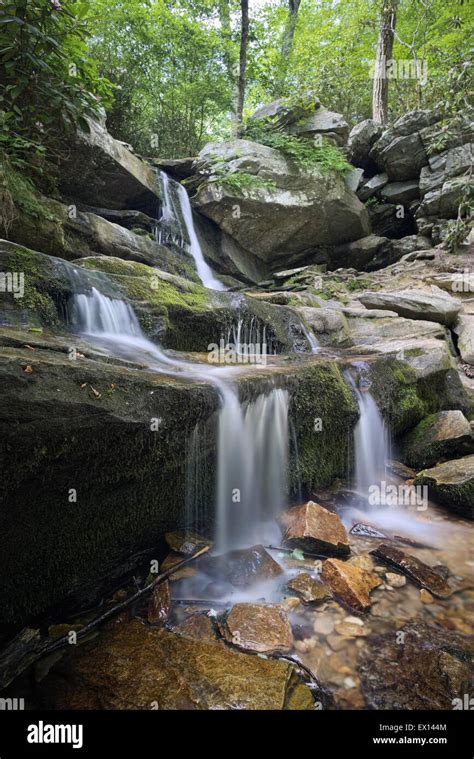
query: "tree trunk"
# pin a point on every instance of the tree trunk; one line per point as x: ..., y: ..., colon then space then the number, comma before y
x: 244, y: 5
x: 287, y: 43
x: 384, y: 54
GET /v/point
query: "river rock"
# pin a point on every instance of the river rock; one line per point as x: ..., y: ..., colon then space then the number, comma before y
x: 439, y: 436
x: 464, y: 328
x: 419, y: 572
x: 138, y: 667
x: 186, y: 543
x: 314, y: 529
x: 395, y: 580
x: 283, y: 222
x: 424, y: 667
x: 431, y: 304
x: 198, y: 626
x: 452, y: 484
x: 349, y: 583
x: 311, y: 591
x: 159, y: 604
x: 258, y: 627
x: 243, y: 567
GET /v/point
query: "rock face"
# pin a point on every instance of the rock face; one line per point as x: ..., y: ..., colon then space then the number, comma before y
x: 258, y: 627
x: 464, y: 328
x: 367, y: 254
x: 452, y: 484
x: 400, y: 150
x: 287, y: 220
x: 428, y: 670
x: 102, y: 171
x: 431, y: 304
x: 186, y: 543
x: 135, y: 667
x: 419, y: 572
x: 310, y: 591
x: 349, y: 583
x: 361, y: 139
x: 439, y: 436
x: 312, y: 528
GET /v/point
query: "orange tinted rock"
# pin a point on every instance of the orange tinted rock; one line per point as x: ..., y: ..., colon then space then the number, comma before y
x: 349, y: 583
x: 259, y: 627
x: 314, y: 529
x: 310, y: 591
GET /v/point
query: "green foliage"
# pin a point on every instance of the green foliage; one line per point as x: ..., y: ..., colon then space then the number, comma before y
x: 46, y: 74
x: 240, y: 180
x: 17, y: 192
x: 325, y: 158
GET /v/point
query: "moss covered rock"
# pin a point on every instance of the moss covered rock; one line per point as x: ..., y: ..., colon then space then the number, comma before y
x: 452, y: 484
x: 438, y: 436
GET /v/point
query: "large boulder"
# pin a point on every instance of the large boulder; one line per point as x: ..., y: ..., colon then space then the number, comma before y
x: 400, y: 151
x: 262, y: 628
x: 361, y: 139
x: 326, y: 123
x: 439, y: 436
x: 137, y: 667
x: 367, y: 254
x: 285, y: 213
x: 391, y: 220
x: 430, y: 304
x: 452, y: 484
x: 102, y: 171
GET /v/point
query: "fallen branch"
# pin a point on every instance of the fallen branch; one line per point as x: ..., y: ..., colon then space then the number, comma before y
x: 28, y: 646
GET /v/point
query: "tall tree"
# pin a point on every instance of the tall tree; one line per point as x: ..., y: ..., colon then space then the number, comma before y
x: 287, y: 43
x: 384, y: 54
x: 244, y: 35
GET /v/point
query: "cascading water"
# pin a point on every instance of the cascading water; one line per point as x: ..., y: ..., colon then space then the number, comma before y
x: 174, y: 212
x: 252, y: 468
x: 371, y: 438
x: 252, y: 441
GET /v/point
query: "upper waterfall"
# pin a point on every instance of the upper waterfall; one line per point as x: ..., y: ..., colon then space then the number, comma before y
x: 173, y: 191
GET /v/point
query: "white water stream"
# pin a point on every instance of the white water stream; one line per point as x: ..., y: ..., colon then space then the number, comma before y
x: 177, y: 209
x: 252, y: 439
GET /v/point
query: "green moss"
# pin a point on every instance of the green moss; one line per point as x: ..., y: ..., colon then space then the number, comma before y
x: 321, y: 393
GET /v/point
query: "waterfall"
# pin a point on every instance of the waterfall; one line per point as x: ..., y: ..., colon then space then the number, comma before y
x: 310, y: 337
x: 252, y: 467
x: 173, y: 191
x: 252, y: 452
x: 371, y: 438
x: 96, y: 314
x: 248, y: 337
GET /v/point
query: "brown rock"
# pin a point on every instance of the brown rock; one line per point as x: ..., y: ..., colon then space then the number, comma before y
x: 185, y: 572
x: 186, y: 543
x: 242, y: 568
x: 259, y: 627
x: 159, y: 604
x: 313, y: 528
x: 419, y: 572
x: 133, y: 666
x: 310, y: 591
x: 349, y: 583
x: 427, y: 668
x: 199, y: 627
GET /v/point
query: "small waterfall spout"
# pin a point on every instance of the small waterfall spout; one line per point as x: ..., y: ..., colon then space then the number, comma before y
x: 177, y: 212
x: 252, y: 467
x: 371, y: 437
